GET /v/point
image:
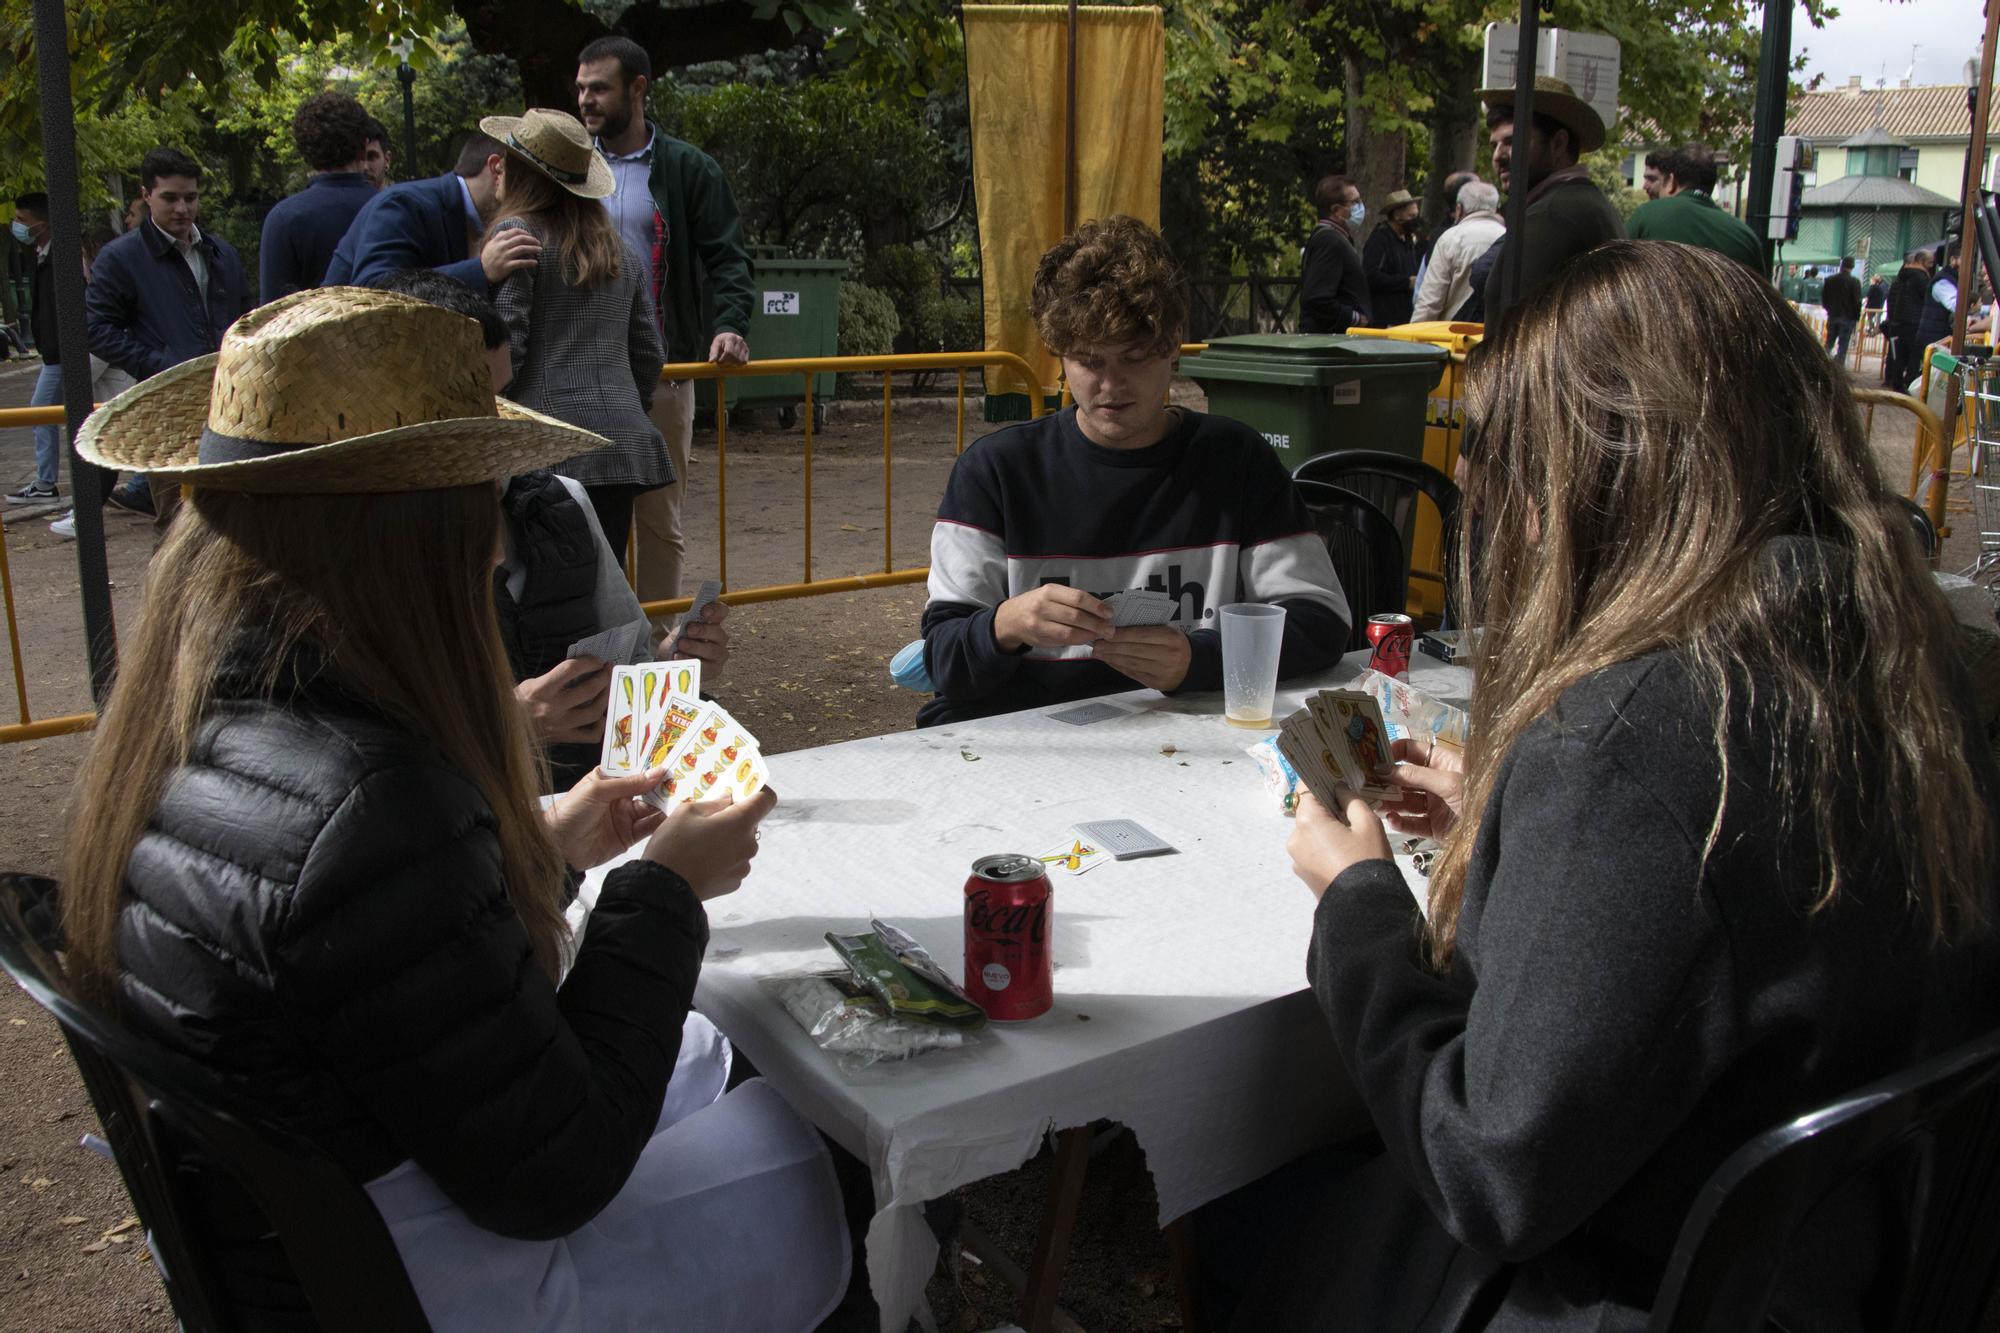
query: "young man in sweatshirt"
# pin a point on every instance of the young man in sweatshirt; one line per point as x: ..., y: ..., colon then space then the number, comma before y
x: 1042, y: 521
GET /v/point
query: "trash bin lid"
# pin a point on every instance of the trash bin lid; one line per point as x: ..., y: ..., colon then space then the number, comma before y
x: 1322, y: 349
x: 786, y: 264
x: 1311, y: 359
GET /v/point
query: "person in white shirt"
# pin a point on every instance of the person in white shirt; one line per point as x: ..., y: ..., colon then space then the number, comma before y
x: 1447, y: 281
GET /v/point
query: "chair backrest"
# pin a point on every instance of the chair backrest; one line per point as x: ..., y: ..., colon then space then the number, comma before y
x: 1920, y: 523
x: 1392, y: 483
x: 1367, y: 552
x: 161, y: 1110
x: 1937, y: 1125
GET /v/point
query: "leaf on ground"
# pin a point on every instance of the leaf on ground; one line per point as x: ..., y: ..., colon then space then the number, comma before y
x: 71, y: 1221
x: 40, y: 1183
x: 17, y: 1022
x: 97, y: 1247
x: 122, y: 1227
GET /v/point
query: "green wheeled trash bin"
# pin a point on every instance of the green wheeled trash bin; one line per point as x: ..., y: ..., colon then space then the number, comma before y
x: 1313, y: 393
x: 794, y: 312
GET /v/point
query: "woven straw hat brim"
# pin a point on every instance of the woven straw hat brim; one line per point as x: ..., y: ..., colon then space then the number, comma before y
x: 156, y: 427
x: 601, y: 184
x: 1574, y: 114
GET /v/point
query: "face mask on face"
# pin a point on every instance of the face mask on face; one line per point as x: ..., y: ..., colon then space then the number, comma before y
x: 1356, y: 213
x: 21, y: 232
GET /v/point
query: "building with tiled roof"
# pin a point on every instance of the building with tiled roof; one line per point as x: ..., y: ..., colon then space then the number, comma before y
x: 1931, y: 126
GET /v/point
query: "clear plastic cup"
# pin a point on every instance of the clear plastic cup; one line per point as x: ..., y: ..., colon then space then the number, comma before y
x: 1252, y: 634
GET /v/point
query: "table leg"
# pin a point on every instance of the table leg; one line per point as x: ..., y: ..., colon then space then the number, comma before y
x: 1045, y: 1273
x: 1180, y: 1249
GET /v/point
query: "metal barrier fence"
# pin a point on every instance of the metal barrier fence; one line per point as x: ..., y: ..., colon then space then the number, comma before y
x: 29, y: 728
x: 1442, y: 426
x: 808, y: 367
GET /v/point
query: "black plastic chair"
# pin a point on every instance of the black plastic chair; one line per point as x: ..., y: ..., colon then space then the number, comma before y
x: 1936, y: 1125
x: 1392, y: 482
x: 162, y: 1112
x: 1367, y: 552
x: 1920, y: 523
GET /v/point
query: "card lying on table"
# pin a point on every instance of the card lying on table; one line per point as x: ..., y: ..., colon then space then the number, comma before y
x: 1338, y: 741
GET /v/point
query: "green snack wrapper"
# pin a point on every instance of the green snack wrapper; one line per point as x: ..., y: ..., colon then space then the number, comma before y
x: 898, y: 972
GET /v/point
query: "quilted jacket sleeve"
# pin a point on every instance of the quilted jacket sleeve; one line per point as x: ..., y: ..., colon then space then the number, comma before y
x: 403, y: 965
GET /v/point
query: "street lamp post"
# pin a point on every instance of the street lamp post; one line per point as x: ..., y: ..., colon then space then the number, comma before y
x: 408, y: 78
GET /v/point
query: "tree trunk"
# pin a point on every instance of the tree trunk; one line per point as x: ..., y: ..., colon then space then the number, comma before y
x: 1376, y: 159
x: 1456, y: 144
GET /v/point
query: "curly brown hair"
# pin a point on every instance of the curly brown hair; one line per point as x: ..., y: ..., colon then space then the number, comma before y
x: 1111, y: 281
x: 331, y: 130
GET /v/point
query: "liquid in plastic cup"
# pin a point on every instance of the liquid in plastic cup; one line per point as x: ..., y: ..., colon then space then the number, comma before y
x: 1252, y: 634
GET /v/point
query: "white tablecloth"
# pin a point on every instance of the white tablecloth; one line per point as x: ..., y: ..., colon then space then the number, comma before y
x: 1180, y: 1007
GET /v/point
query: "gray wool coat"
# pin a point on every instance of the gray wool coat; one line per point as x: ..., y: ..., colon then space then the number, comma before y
x: 590, y: 356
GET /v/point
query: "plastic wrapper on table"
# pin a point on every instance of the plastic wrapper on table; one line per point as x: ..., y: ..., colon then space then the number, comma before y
x: 1280, y: 778
x: 1408, y: 711
x: 847, y: 1022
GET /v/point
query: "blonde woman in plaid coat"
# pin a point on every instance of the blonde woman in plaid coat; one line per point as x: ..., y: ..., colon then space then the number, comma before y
x: 581, y: 335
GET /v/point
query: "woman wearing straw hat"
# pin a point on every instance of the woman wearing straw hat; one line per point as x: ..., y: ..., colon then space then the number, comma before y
x: 306, y: 851
x: 580, y: 326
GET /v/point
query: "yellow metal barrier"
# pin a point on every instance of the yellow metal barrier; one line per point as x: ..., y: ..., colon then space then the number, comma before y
x: 28, y: 729
x: 809, y: 366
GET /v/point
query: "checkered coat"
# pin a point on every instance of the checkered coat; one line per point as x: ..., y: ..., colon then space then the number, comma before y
x: 590, y: 356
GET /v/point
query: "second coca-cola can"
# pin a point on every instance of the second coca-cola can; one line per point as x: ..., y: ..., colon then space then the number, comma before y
x: 1009, y: 969
x: 1391, y: 636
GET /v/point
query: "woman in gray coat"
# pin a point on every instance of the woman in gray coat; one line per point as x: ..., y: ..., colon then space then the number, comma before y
x: 580, y: 327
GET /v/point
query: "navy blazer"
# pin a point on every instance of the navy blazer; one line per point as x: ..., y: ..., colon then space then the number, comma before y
x: 417, y: 224
x: 143, y: 308
x: 301, y: 232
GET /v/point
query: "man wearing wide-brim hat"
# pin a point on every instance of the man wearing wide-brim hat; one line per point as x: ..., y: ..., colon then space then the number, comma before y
x: 1390, y: 260
x: 1567, y: 213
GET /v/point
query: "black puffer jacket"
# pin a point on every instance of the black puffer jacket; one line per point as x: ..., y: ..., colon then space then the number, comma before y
x: 317, y: 906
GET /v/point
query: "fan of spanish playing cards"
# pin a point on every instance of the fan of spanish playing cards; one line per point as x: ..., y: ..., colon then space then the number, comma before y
x: 1338, y: 740
x: 658, y: 717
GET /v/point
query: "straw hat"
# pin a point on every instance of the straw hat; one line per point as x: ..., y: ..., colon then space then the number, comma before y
x: 1396, y: 199
x: 1559, y: 102
x: 557, y: 145
x: 335, y: 389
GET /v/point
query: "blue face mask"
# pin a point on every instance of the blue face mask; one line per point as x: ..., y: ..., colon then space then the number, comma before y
x: 1357, y: 213
x: 21, y: 232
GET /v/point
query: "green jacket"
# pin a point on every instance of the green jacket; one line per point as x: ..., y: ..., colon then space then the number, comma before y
x: 1693, y: 218
x: 693, y: 196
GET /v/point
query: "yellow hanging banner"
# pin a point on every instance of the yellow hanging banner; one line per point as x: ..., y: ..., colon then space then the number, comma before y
x: 1016, y: 62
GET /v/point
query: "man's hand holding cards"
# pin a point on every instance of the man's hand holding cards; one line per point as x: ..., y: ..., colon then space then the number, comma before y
x: 657, y: 718
x: 1338, y: 741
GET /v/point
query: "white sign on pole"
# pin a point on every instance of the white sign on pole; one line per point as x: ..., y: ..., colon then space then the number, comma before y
x: 1587, y: 61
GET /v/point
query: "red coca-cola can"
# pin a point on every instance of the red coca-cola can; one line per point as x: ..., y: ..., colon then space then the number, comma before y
x: 1391, y: 637
x: 1009, y: 969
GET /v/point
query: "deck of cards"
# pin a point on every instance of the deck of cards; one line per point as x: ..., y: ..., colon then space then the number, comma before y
x: 1141, y: 606
x: 1338, y: 740
x: 657, y: 718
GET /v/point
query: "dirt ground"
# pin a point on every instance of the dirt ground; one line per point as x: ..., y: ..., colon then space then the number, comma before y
x: 804, y: 673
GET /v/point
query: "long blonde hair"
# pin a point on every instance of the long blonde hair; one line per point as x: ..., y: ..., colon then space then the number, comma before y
x: 395, y: 591
x: 587, y: 245
x: 1638, y: 433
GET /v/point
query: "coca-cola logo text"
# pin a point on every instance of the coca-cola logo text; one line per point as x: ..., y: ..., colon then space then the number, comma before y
x: 1011, y: 919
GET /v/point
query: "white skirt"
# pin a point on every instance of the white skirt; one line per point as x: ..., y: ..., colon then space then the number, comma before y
x: 731, y: 1220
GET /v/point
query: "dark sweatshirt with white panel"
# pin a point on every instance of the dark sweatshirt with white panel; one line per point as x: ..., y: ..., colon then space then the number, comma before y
x: 1208, y: 516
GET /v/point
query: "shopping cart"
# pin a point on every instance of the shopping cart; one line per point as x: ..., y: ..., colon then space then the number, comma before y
x: 1979, y: 401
